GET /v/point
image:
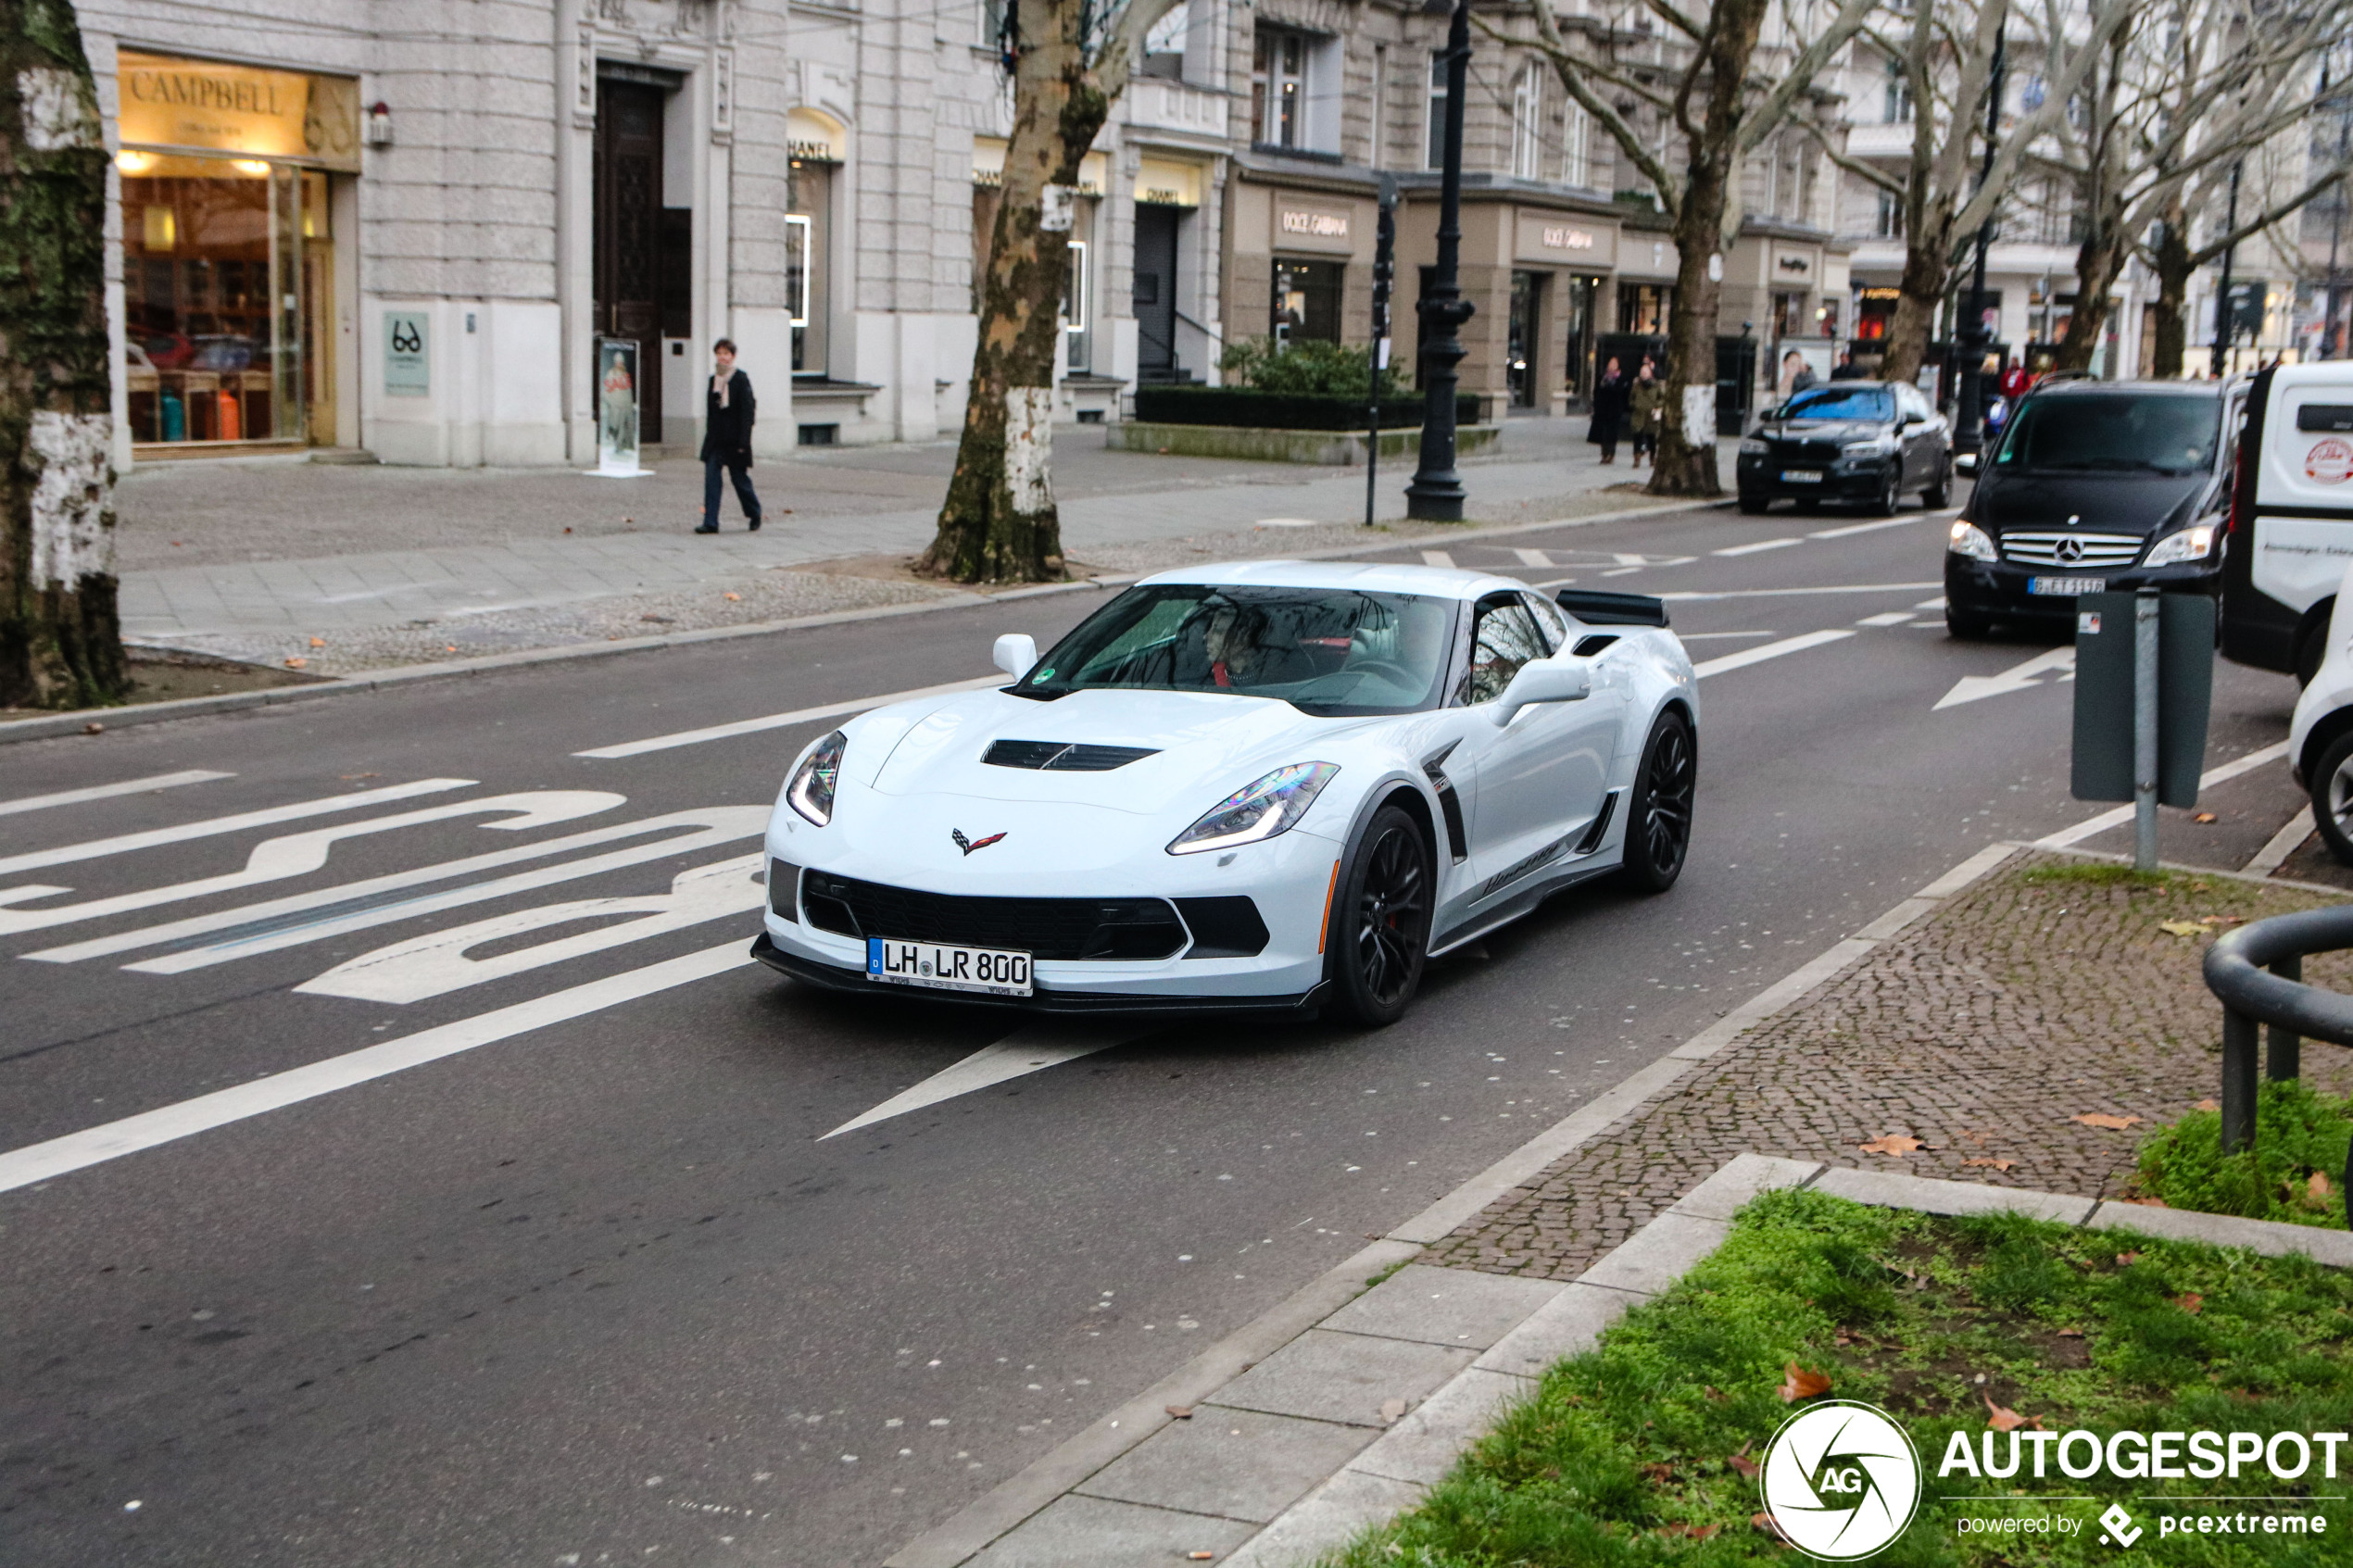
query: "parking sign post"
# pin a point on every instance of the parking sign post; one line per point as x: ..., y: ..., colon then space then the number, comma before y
x: 2143, y: 678
x: 2145, y: 650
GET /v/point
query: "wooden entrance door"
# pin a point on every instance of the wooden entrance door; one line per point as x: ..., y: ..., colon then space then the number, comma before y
x: 628, y: 232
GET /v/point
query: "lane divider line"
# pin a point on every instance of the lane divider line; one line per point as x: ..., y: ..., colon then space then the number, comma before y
x: 1770, y: 650
x: 1855, y: 528
x: 2282, y: 845
x: 112, y: 1140
x: 780, y: 720
x: 1759, y: 547
x: 1785, y: 593
x: 211, y: 827
x: 100, y: 791
x: 2091, y: 827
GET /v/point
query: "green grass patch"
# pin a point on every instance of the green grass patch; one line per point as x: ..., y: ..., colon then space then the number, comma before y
x: 2294, y: 1172
x: 1635, y: 1453
x: 2095, y: 873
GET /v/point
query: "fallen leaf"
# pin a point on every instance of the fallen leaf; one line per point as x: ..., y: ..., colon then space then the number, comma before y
x: 2204, y: 817
x: 2189, y: 1303
x: 567, y: 528
x: 94, y: 728
x: 2318, y: 1186
x: 1715, y: 1393
x: 1696, y: 1532
x: 450, y: 648
x: 2210, y: 1103
x: 1659, y: 1473
x: 1741, y: 1463
x: 2002, y: 1419
x: 2149, y: 1202
x: 2126, y: 1260
x: 2183, y: 927
x: 296, y: 663
x: 1199, y: 1556
x: 2102, y: 1119
x: 1993, y: 1164
x: 318, y: 642
x: 1390, y: 1410
x: 2070, y: 1333
x: 734, y: 596
x: 1182, y: 1412
x: 1800, y: 1383
x: 1767, y: 1524
x: 1896, y: 1146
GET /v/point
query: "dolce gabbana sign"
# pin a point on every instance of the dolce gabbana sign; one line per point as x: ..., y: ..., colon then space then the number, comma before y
x: 1570, y: 242
x: 1299, y: 226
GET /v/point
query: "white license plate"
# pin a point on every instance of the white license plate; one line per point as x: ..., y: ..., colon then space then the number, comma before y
x: 2067, y: 587
x: 942, y: 967
x: 1801, y: 476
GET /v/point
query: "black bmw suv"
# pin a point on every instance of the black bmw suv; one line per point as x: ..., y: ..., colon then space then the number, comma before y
x: 2096, y: 486
x: 1857, y: 441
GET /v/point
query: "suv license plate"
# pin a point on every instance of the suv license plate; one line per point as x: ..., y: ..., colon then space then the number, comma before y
x: 2067, y: 586
x: 940, y: 966
x: 1801, y: 476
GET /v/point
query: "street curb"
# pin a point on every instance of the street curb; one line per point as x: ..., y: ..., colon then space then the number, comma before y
x: 52, y: 725
x: 996, y: 1514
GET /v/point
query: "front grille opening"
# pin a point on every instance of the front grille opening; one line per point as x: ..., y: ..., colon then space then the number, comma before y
x: 1063, y: 757
x: 1130, y: 929
x: 2092, y: 549
x: 1224, y: 927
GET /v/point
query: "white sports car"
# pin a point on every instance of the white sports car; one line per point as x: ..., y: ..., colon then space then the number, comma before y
x: 1276, y: 786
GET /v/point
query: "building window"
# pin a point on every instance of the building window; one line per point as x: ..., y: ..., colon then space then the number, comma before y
x: 1577, y: 168
x: 1889, y: 225
x: 1278, y: 88
x: 1307, y: 300
x: 1645, y: 307
x: 808, y: 212
x: 1895, y: 101
x: 1076, y: 318
x: 1528, y: 125
x: 1434, y: 138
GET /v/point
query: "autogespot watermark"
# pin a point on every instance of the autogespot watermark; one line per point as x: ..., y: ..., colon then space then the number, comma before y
x: 1842, y: 1480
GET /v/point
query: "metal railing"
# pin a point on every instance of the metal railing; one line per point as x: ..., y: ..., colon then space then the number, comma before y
x: 2256, y: 973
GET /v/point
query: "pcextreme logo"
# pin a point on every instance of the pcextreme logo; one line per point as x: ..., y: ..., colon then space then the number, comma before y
x: 1841, y: 1479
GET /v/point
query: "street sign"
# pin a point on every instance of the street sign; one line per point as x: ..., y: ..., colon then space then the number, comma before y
x: 2106, y: 632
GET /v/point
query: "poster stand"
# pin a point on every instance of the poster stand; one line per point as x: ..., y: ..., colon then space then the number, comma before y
x: 617, y: 441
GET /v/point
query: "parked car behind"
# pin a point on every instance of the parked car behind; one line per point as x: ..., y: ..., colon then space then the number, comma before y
x: 2290, y: 535
x: 2093, y: 487
x: 1854, y: 441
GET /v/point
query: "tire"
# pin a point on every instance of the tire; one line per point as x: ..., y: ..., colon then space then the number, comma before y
x: 1754, y: 505
x: 1659, y: 816
x: 1939, y: 496
x: 2331, y: 779
x: 1966, y: 626
x: 1381, y: 909
x: 1889, y: 496
x: 2313, y: 646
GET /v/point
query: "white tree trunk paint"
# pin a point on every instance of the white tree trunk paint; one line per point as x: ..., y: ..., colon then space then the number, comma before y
x: 73, y: 498
x: 1029, y: 447
x: 58, y: 115
x: 1699, y: 414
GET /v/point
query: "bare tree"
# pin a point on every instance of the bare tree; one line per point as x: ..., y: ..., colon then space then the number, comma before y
x: 1720, y: 112
x: 60, y: 644
x: 2194, y: 86
x: 1071, y: 60
x: 1945, y: 191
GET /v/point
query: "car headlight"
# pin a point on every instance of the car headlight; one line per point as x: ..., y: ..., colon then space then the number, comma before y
x: 1752, y: 447
x: 1873, y: 446
x: 1970, y: 540
x: 2190, y: 543
x: 812, y: 789
x: 1257, y: 812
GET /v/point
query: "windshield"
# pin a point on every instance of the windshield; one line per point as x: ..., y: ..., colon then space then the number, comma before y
x: 1328, y: 651
x: 2159, y: 433
x: 1874, y: 403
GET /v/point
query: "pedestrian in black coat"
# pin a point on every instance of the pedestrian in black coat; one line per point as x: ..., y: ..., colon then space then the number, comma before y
x: 1611, y: 394
x: 729, y: 410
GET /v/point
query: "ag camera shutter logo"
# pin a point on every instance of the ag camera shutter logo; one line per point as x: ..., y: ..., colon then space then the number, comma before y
x: 1841, y: 1479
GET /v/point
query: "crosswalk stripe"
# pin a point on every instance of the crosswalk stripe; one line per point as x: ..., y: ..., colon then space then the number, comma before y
x: 780, y: 720
x: 101, y: 792
x: 211, y: 827
x: 1533, y: 557
x: 1436, y: 557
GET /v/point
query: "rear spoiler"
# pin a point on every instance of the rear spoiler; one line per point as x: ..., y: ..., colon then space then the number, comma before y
x: 1598, y: 606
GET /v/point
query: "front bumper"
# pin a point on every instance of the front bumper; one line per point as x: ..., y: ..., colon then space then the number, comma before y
x: 2000, y: 591
x: 1760, y: 477
x: 1091, y: 1004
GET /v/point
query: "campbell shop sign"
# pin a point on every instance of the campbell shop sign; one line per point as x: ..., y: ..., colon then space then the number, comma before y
x: 203, y: 105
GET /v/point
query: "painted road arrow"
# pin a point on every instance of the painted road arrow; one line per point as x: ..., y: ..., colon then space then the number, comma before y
x: 2017, y: 678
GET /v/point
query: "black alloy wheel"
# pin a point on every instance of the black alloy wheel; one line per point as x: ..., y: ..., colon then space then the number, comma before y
x: 1658, y: 825
x: 1380, y: 920
x: 1890, y: 495
x: 2333, y: 798
x: 1939, y: 496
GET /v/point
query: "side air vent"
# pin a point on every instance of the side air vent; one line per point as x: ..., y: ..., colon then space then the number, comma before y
x: 1061, y: 756
x: 1589, y: 645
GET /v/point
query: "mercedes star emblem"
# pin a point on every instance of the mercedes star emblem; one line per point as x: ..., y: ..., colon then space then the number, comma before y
x: 2071, y: 550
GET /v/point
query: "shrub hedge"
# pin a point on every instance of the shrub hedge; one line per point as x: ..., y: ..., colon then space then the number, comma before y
x: 1282, y: 410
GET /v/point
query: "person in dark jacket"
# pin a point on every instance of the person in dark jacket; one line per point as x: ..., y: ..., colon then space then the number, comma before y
x: 1846, y: 369
x: 728, y: 410
x: 1610, y: 397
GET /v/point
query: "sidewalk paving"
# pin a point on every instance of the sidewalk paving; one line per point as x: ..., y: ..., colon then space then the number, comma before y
x: 393, y: 566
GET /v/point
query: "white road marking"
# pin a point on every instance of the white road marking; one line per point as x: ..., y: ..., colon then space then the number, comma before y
x: 435, y: 963
x: 101, y: 792
x: 2091, y: 827
x: 1770, y: 650
x: 720, y: 824
x: 1625, y: 559
x: 1286, y: 523
x: 1867, y: 527
x: 2022, y: 677
x: 265, y: 927
x: 1704, y: 636
x: 778, y: 721
x: 1888, y: 618
x: 1031, y: 1050
x: 1533, y: 557
x: 1436, y: 557
x: 299, y: 854
x: 2282, y: 845
x: 112, y: 1140
x: 1936, y: 603
x: 213, y: 826
x: 1620, y: 571
x: 1783, y: 593
x: 1757, y: 547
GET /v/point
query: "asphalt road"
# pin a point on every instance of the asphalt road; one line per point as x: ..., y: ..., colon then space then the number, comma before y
x: 598, y: 1289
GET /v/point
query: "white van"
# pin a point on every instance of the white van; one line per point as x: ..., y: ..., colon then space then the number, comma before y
x: 2290, y: 538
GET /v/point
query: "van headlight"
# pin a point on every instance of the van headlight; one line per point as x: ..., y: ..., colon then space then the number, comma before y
x: 2190, y: 543
x: 1970, y: 540
x: 812, y: 789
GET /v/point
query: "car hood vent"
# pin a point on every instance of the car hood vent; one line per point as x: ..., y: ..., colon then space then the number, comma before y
x: 1063, y: 757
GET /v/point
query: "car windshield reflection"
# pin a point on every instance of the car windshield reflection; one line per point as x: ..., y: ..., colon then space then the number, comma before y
x: 2153, y: 433
x: 1875, y: 403
x: 1327, y: 651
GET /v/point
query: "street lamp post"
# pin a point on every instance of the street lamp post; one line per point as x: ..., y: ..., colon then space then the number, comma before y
x: 1436, y: 492
x: 2225, y: 326
x: 1969, y: 417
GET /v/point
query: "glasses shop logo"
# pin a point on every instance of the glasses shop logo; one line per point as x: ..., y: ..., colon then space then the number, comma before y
x: 1841, y: 1479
